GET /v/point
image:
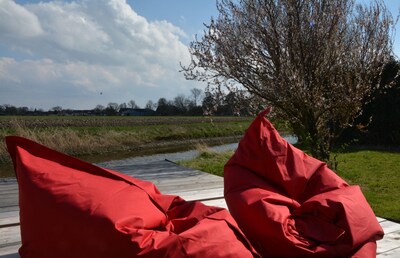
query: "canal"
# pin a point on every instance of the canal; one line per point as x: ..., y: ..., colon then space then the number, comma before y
x: 145, y: 156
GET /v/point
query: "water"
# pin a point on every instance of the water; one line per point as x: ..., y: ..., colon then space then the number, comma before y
x: 178, y: 156
x: 6, y: 170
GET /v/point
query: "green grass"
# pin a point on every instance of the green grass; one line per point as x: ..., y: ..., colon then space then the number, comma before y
x: 209, y: 161
x: 376, y: 172
x: 98, y: 135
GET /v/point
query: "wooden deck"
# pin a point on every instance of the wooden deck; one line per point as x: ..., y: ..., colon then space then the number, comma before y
x: 170, y: 179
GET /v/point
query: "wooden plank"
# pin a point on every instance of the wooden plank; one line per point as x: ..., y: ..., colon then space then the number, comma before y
x: 380, y: 219
x: 10, y: 251
x: 169, y: 177
x: 389, y: 242
x: 190, y: 179
x: 9, y: 218
x: 9, y: 208
x: 185, y: 185
x: 201, y: 194
x: 9, y: 194
x: 155, y: 169
x: 10, y: 186
x: 389, y: 226
x: 217, y: 202
x: 9, y: 236
x: 10, y: 201
x: 395, y: 253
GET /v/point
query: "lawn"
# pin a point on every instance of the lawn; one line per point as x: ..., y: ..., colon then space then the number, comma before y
x: 376, y: 172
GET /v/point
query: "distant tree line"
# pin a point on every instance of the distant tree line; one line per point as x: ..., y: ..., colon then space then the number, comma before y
x: 198, y: 103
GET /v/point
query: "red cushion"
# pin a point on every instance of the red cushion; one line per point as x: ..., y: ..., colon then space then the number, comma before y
x: 289, y: 204
x: 70, y: 208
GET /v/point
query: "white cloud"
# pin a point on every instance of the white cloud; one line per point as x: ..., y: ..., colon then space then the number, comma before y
x: 79, y: 49
x: 17, y: 22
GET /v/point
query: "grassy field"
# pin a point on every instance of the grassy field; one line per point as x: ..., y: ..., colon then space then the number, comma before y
x: 377, y: 173
x: 83, y: 121
x: 98, y: 135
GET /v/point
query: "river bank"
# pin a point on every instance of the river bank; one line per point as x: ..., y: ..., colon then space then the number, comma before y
x: 171, y: 149
x: 83, y: 136
x: 100, y: 139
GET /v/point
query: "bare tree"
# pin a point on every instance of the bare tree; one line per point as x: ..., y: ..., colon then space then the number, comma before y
x: 313, y: 60
x: 180, y: 103
x: 151, y: 105
x: 122, y: 105
x: 57, y: 109
x: 196, y: 94
x: 162, y: 107
x: 132, y: 104
x: 99, y: 109
x: 112, y: 109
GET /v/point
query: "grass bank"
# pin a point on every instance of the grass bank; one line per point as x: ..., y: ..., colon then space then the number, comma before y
x: 81, y: 136
x: 376, y: 172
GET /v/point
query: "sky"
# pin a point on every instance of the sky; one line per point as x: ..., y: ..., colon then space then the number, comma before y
x: 82, y: 53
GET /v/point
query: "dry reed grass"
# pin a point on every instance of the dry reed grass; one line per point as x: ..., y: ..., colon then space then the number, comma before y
x: 203, y: 148
x: 76, y: 139
x: 67, y: 140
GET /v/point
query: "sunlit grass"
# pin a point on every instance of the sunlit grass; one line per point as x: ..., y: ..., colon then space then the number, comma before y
x: 209, y: 161
x: 377, y: 173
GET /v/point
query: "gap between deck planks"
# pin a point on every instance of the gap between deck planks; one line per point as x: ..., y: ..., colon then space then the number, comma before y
x: 170, y: 179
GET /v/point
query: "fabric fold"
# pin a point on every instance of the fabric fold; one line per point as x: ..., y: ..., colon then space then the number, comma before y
x: 290, y: 204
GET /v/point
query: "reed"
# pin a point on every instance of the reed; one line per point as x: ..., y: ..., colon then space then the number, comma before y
x: 91, y: 136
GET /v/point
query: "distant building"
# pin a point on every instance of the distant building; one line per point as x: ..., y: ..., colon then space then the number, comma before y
x: 136, y: 112
x: 70, y: 112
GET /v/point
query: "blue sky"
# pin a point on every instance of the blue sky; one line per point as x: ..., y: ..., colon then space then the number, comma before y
x: 77, y: 54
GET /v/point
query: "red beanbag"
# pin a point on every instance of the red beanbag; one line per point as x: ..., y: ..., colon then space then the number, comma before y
x: 70, y: 208
x: 289, y: 204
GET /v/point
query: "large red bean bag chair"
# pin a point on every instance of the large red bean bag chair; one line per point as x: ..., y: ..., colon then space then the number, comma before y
x: 289, y: 204
x: 70, y: 208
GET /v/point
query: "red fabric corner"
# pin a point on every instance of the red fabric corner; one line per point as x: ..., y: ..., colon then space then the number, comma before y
x: 289, y: 204
x: 70, y: 208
